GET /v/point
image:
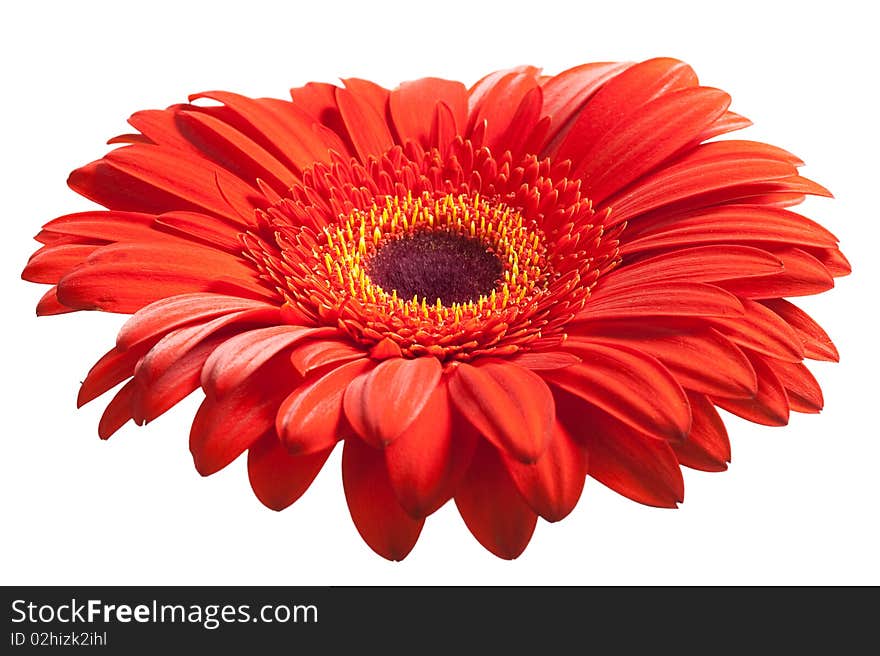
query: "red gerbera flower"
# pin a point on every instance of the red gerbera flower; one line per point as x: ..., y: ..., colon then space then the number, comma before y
x: 487, y: 294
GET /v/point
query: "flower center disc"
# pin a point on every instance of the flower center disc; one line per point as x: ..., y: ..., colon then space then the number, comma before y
x: 451, y: 275
x: 435, y: 265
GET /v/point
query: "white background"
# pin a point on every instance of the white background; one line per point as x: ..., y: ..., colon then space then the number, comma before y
x: 798, y: 505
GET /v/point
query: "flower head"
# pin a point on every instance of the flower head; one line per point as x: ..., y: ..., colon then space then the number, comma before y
x: 486, y: 294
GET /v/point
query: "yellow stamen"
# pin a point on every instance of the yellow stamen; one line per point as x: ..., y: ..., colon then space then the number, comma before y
x: 350, y: 245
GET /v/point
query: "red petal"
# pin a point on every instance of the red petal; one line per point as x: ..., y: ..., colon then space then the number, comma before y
x: 413, y: 104
x: 370, y: 94
x: 49, y: 238
x: 203, y: 228
x: 224, y: 428
x: 429, y: 458
x: 169, y: 372
x: 114, y: 367
x: 118, y: 191
x: 318, y: 100
x: 663, y: 299
x: 707, y: 447
x: 695, y: 264
x: 627, y: 461
x: 126, y: 277
x: 479, y: 92
x: 693, y: 176
x: 522, y: 125
x: 771, y: 198
x: 729, y: 148
x: 443, y: 127
x: 193, y: 180
x: 319, y: 140
x: 833, y: 260
x: 628, y: 384
x: 382, y: 522
x: 511, y: 406
x: 381, y: 404
x: 129, y: 138
x: 368, y: 130
x: 537, y: 136
x: 726, y: 224
x: 314, y: 354
x: 492, y: 507
x: 803, y: 275
x: 544, y: 360
x: 728, y: 122
x: 660, y: 129
x: 167, y: 314
x: 804, y: 393
x: 117, y: 413
x: 109, y: 226
x: 176, y: 343
x: 385, y: 349
x: 278, y: 478
x: 51, y: 263
x: 241, y: 355
x: 161, y: 128
x: 701, y: 360
x: 769, y: 406
x: 186, y: 337
x: 763, y: 331
x: 621, y: 98
x: 817, y: 345
x: 552, y: 486
x: 290, y: 136
x: 566, y: 93
x: 311, y: 418
x: 50, y: 305
x: 499, y: 107
x: 233, y: 150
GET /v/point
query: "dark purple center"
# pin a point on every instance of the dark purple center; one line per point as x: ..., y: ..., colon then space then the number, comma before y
x: 432, y: 265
